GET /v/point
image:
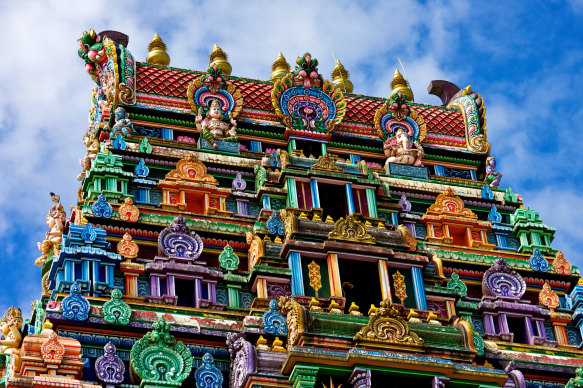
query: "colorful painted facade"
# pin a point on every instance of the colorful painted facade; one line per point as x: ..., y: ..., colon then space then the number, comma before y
x: 233, y: 232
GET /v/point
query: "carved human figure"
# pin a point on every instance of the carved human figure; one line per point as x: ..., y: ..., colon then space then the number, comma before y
x: 400, y: 149
x: 10, y: 328
x: 213, y: 127
x: 492, y: 176
x: 92, y: 144
x: 56, y: 218
x: 122, y: 124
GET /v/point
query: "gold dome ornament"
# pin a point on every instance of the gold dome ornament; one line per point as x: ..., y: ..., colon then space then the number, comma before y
x: 340, y: 77
x: 219, y: 57
x: 399, y: 84
x: 279, y: 68
x: 157, y: 52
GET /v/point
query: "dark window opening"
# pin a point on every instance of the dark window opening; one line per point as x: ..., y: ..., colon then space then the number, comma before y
x: 184, y: 289
x: 101, y: 277
x: 312, y: 148
x: 163, y: 288
x: 516, y: 326
x: 304, y: 192
x: 78, y: 271
x: 360, y: 203
x: 204, y: 291
x: 333, y: 201
x: 360, y: 283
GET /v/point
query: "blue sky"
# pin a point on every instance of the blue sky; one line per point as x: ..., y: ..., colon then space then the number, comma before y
x: 524, y: 57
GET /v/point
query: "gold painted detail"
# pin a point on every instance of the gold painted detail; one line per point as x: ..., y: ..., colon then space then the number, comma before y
x: 219, y: 57
x: 340, y: 77
x: 386, y: 329
x: 400, y: 84
x: 449, y: 204
x: 279, y: 68
x: 351, y: 229
x: 255, y: 249
x: 548, y: 298
x: 315, y: 276
x: 157, y: 54
x: 400, y: 287
x: 408, y: 238
x: 327, y: 163
x: 191, y: 169
x: 295, y: 318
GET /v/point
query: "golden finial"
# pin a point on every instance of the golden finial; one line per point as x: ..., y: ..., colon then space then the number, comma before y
x: 278, y: 345
x: 157, y: 54
x: 219, y: 57
x: 279, y: 68
x: 340, y: 77
x: 399, y: 84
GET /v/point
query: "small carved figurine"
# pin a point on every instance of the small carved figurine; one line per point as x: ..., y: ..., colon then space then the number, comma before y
x: 213, y: 127
x: 122, y: 124
x: 92, y: 144
x: 51, y: 246
x: 400, y: 149
x: 492, y: 176
x: 10, y: 327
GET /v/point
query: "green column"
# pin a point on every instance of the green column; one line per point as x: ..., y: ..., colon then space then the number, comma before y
x: 234, y: 294
x: 371, y: 201
x: 292, y: 193
x: 324, y: 148
x: 291, y: 145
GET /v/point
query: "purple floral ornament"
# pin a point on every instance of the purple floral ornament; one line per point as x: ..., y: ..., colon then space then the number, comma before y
x: 499, y: 280
x: 109, y: 367
x: 177, y: 240
x: 207, y: 375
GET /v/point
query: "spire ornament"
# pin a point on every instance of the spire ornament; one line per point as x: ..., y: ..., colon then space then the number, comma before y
x: 219, y: 58
x: 157, y: 54
x: 279, y: 68
x: 340, y: 77
x: 400, y: 84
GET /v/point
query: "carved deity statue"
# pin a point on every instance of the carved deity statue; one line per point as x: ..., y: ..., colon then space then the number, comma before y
x: 493, y: 177
x: 400, y: 149
x: 213, y: 127
x: 92, y: 143
x: 122, y: 124
x: 51, y: 246
x: 10, y: 328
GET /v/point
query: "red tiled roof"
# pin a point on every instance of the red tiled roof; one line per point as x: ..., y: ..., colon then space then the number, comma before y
x: 173, y: 83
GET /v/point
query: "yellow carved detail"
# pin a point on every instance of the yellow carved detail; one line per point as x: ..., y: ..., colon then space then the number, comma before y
x: 350, y: 229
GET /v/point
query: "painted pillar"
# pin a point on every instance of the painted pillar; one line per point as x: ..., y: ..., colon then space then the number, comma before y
x: 297, y: 281
x: 360, y: 378
x: 489, y: 324
x: 529, y: 330
x: 349, y: 198
x: 315, y: 193
x: 385, y: 280
x: 324, y: 148
x: 291, y: 145
x: 234, y: 295
x: 334, y: 275
x: 560, y: 333
x: 292, y: 193
x: 371, y: 201
x: 261, y: 288
x: 155, y: 286
x: 419, y: 288
x: 197, y: 293
x: 266, y: 202
x: 503, y: 324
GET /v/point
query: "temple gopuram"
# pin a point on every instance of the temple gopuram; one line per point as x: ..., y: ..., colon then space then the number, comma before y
x: 285, y: 232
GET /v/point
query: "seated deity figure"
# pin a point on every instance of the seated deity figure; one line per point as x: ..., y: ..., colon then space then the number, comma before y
x: 10, y: 328
x: 400, y: 149
x: 122, y: 124
x: 213, y: 127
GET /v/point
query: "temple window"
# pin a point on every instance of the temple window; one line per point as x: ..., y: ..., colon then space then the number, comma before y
x: 184, y: 290
x: 309, y: 148
x: 360, y: 282
x: 360, y: 202
x: 333, y: 200
x: 304, y: 192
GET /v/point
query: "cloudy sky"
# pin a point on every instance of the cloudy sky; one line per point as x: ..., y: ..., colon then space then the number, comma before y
x: 526, y: 60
